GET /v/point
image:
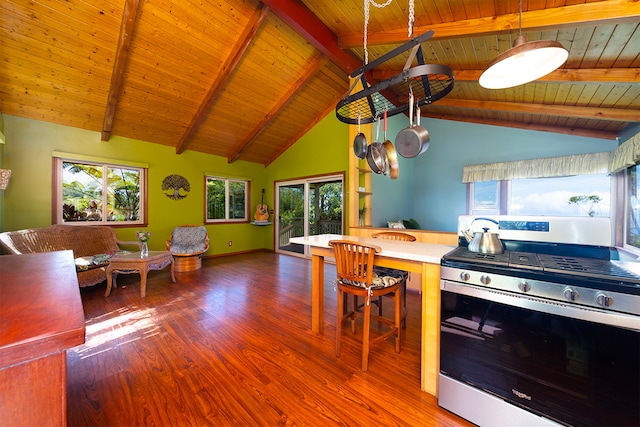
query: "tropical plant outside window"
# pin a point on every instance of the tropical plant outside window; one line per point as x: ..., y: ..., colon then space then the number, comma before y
x: 100, y: 193
x: 325, y: 203
x: 227, y: 199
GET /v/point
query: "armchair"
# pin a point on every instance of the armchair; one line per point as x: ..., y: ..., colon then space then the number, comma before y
x: 187, y: 244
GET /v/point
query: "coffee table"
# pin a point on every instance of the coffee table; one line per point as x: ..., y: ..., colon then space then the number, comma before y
x: 134, y: 263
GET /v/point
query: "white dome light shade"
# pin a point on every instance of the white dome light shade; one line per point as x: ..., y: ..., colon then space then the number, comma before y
x: 523, y: 63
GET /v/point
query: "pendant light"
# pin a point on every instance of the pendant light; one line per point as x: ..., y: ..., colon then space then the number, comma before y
x: 524, y: 62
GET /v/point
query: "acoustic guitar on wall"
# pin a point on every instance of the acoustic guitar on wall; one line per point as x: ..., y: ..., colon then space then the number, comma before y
x: 262, y: 212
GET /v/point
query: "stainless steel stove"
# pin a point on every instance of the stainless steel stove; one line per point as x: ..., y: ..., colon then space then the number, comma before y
x: 547, y: 332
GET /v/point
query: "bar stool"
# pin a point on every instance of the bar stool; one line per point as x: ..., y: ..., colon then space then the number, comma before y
x: 403, y: 275
x: 354, y: 270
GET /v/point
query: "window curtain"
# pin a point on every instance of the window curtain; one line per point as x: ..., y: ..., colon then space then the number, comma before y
x: 580, y: 164
x: 626, y: 155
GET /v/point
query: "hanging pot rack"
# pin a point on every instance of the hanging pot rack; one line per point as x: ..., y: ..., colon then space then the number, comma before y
x: 429, y: 83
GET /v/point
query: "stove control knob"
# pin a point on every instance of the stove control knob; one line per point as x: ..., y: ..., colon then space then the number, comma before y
x: 604, y: 300
x: 485, y: 280
x: 464, y: 276
x: 524, y: 286
x: 571, y: 294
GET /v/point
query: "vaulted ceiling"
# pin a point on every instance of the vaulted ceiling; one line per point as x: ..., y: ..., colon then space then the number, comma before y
x: 245, y: 79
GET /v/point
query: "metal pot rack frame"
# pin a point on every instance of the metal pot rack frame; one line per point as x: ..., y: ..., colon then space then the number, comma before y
x: 428, y: 82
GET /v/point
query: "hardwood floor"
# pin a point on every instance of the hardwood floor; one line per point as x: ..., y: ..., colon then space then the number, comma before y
x: 231, y: 345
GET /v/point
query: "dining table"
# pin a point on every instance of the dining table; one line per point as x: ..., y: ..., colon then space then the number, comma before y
x: 415, y: 257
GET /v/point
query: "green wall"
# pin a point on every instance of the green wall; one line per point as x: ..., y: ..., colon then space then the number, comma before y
x: 27, y: 201
x: 323, y: 150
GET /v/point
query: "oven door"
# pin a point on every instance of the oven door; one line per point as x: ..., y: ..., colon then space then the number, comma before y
x: 525, y: 352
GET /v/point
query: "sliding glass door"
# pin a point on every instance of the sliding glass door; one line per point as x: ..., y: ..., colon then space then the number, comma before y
x: 307, y: 207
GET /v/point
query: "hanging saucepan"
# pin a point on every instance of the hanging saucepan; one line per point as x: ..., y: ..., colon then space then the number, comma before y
x: 390, y: 151
x: 413, y: 140
x: 360, y: 143
x: 376, y: 154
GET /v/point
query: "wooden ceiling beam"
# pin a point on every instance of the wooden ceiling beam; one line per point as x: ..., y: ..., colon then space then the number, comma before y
x: 593, y: 75
x: 119, y: 65
x: 591, y: 113
x: 307, y: 75
x: 301, y: 19
x: 589, y: 133
x: 229, y: 66
x: 579, y: 15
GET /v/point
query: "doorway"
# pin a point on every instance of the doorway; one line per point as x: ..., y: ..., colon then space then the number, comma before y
x: 308, y: 207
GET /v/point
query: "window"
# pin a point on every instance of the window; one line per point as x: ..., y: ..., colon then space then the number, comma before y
x: 632, y: 225
x: 227, y: 200
x: 90, y: 192
x: 485, y: 198
x: 581, y: 195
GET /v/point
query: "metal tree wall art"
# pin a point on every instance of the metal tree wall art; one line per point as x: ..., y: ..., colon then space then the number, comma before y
x: 176, y: 183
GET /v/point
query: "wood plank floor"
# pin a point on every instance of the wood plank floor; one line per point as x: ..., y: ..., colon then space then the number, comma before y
x: 231, y: 345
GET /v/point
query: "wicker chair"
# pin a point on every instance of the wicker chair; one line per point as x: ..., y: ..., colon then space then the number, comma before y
x: 187, y: 244
x: 354, y: 268
x: 404, y: 275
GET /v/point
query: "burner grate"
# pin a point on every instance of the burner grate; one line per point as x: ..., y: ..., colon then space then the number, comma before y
x: 565, y: 264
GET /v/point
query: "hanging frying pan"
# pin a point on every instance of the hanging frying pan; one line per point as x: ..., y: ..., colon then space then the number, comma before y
x: 414, y: 139
x: 360, y: 143
x: 390, y: 152
x: 376, y: 154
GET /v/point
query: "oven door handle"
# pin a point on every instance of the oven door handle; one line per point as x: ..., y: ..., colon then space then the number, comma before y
x: 558, y: 308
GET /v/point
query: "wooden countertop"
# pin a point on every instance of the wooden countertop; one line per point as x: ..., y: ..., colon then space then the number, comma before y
x: 40, y: 306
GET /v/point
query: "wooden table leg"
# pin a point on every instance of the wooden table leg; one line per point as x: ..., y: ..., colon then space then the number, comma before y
x: 173, y: 276
x: 143, y: 282
x: 109, y: 280
x: 317, y: 294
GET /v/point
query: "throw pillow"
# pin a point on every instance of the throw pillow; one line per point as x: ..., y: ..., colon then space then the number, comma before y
x: 396, y: 224
x: 411, y: 224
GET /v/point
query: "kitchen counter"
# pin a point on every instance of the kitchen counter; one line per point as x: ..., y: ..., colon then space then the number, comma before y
x: 417, y: 257
x: 411, y: 251
x: 41, y: 316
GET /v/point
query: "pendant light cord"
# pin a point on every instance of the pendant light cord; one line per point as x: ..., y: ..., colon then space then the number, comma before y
x: 520, y: 19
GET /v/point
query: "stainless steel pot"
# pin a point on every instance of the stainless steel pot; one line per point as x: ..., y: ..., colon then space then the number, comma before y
x: 414, y: 139
x: 377, y: 155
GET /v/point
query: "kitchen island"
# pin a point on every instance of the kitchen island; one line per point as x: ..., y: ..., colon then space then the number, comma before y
x: 416, y: 257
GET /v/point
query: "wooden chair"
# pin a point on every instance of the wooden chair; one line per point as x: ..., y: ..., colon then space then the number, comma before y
x: 354, y: 268
x: 187, y: 244
x: 404, y: 275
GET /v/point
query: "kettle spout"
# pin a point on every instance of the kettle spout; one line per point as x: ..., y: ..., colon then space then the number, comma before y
x: 467, y: 235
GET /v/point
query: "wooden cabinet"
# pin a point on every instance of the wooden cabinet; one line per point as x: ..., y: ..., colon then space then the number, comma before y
x: 41, y: 316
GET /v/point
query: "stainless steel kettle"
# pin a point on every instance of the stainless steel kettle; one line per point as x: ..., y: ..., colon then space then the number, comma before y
x: 484, y: 242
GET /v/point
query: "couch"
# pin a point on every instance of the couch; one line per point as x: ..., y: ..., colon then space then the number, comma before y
x: 92, y: 246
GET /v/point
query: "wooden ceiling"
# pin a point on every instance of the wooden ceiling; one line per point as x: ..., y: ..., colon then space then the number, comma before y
x: 246, y: 79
